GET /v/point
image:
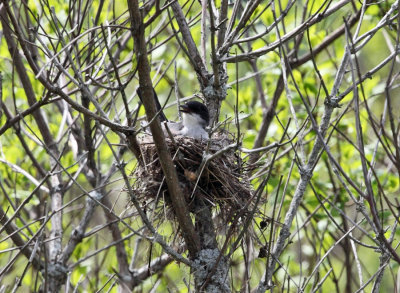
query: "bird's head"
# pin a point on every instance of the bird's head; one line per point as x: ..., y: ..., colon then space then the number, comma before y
x: 195, y: 113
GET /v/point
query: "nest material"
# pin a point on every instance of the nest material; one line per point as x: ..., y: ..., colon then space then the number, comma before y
x: 223, y: 182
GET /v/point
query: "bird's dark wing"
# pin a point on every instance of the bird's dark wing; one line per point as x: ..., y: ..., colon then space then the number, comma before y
x: 158, y: 105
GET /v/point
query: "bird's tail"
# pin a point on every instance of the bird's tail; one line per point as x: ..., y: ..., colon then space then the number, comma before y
x: 158, y: 105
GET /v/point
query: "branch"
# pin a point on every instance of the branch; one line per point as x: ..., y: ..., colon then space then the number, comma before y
x: 306, y: 175
x: 195, y: 56
x: 295, y: 32
x: 49, y: 143
x: 177, y: 198
x: 11, y: 229
x: 156, y: 266
x: 294, y: 63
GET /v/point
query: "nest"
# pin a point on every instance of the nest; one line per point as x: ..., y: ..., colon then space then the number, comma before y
x: 222, y: 183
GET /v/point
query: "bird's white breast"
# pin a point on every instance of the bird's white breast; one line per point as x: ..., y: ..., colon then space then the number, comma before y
x: 193, y: 126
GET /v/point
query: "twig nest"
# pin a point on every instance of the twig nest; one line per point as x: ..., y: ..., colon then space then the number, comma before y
x: 221, y: 182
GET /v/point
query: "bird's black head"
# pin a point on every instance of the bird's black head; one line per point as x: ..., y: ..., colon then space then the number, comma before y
x: 194, y: 107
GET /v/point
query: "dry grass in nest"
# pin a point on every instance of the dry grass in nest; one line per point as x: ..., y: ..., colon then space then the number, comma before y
x: 223, y: 183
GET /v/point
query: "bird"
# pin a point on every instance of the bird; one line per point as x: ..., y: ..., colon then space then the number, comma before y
x: 195, y: 119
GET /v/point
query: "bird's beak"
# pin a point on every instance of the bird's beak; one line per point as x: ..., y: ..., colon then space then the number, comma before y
x: 184, y: 108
